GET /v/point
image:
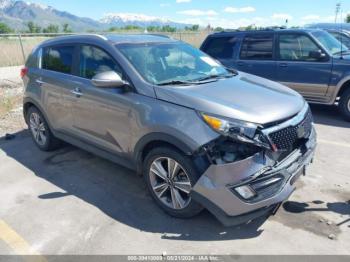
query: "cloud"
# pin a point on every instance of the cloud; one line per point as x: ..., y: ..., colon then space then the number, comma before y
x: 311, y: 17
x: 281, y: 16
x: 196, y: 12
x: 183, y: 1
x: 246, y: 9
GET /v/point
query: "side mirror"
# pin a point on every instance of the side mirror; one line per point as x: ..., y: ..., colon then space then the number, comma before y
x: 108, y: 79
x: 318, y: 55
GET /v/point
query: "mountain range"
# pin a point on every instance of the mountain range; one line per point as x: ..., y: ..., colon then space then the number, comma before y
x: 17, y: 13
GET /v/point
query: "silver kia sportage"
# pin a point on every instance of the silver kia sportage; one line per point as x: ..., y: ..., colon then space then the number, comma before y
x: 203, y: 136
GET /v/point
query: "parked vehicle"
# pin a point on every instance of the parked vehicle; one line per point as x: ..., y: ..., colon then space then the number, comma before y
x: 342, y: 36
x: 201, y: 135
x: 310, y: 61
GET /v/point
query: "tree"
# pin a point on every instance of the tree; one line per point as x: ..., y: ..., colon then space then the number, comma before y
x: 192, y: 28
x: 219, y: 29
x: 66, y: 28
x: 33, y: 28
x: 51, y: 29
x: 347, y: 19
x: 168, y: 28
x: 5, y: 29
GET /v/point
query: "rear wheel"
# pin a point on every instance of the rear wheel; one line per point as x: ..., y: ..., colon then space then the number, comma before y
x: 41, y: 133
x: 170, y: 177
x: 344, y: 104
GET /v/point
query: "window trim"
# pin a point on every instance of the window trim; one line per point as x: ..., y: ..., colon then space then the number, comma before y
x: 278, y: 58
x: 44, y: 50
x: 273, y: 58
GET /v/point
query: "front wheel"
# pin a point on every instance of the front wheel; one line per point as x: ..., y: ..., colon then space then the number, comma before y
x: 170, y: 177
x: 344, y: 105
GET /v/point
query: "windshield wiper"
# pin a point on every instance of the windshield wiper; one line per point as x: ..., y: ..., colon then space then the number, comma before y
x: 176, y: 82
x: 215, y: 77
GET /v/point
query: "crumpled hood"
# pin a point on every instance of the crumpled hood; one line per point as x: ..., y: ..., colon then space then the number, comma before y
x: 245, y: 97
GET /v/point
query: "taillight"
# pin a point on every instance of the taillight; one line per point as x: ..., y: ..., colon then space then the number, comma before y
x: 24, y: 71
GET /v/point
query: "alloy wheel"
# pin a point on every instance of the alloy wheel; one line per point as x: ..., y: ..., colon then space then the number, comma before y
x: 37, y: 128
x: 170, y: 183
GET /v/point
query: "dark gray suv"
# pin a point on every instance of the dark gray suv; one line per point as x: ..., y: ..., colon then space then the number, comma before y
x: 201, y: 135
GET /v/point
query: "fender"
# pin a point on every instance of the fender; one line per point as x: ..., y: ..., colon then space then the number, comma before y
x: 157, y: 137
x: 338, y: 87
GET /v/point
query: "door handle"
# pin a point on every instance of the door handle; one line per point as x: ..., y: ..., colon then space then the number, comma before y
x: 77, y: 92
x: 283, y: 65
x: 39, y: 82
x: 240, y: 63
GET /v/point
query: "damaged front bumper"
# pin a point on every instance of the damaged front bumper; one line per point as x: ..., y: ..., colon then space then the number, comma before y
x: 269, y: 182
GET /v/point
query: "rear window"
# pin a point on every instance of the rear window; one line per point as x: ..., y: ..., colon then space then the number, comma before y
x: 221, y: 47
x: 257, y: 47
x: 58, y: 58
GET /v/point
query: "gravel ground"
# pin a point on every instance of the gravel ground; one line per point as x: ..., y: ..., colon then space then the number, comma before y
x: 11, y: 90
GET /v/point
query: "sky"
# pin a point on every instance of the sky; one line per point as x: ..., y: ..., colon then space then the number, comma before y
x: 223, y: 13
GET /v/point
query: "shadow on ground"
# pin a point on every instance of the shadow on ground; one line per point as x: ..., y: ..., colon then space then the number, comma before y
x: 116, y: 191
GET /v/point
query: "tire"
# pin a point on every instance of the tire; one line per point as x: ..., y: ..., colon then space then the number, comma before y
x: 185, y: 175
x: 40, y: 131
x: 344, y: 104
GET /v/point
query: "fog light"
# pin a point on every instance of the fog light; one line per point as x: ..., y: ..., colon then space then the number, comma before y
x: 245, y: 191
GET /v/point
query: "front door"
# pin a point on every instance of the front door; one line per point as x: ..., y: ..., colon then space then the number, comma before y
x: 101, y: 115
x: 299, y: 69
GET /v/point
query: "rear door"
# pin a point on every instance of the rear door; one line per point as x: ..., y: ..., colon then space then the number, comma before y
x: 55, y: 80
x: 298, y: 69
x: 222, y: 48
x: 257, y: 56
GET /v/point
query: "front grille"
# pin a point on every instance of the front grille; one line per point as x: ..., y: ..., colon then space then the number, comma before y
x: 288, y: 138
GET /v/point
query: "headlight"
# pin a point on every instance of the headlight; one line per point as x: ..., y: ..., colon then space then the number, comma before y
x: 239, y: 130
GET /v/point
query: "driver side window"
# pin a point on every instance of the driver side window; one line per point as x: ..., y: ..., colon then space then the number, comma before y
x: 94, y: 60
x: 294, y: 47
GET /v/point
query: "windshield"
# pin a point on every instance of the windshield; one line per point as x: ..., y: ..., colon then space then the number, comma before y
x: 329, y: 42
x: 163, y: 63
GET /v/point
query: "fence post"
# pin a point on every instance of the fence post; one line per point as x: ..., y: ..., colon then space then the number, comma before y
x: 20, y: 41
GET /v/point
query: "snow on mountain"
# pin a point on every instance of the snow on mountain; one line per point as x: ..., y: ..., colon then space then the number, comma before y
x: 123, y: 19
x: 5, y: 4
x: 17, y: 14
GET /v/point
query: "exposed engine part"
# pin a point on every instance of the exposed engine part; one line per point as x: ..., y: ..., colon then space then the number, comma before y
x: 226, y: 150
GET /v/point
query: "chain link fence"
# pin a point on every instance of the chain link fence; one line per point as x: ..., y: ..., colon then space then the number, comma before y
x: 14, y: 48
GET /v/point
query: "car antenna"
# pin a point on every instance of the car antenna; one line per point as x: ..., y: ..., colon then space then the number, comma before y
x: 339, y: 9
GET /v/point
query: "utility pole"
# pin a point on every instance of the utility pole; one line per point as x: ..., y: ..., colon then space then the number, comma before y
x: 337, y: 10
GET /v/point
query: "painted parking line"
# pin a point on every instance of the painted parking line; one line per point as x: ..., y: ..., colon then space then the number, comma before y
x: 18, y: 244
x: 321, y: 141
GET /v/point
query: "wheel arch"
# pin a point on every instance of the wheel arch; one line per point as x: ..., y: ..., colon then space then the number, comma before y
x: 345, y: 86
x: 153, y: 140
x: 29, y: 102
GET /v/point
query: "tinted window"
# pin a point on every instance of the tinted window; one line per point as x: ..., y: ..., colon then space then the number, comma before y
x: 296, y: 47
x: 342, y: 38
x: 94, y: 60
x: 58, y: 58
x: 221, y: 47
x: 257, y: 47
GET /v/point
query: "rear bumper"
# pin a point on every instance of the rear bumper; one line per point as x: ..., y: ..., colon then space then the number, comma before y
x: 272, y: 182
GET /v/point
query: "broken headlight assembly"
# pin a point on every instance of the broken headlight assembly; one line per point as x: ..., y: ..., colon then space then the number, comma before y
x: 236, y: 129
